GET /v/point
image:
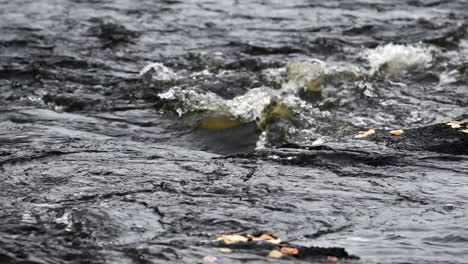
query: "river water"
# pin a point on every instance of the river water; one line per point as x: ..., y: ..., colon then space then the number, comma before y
x: 137, y: 132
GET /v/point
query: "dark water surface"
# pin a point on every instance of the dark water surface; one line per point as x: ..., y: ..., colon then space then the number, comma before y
x: 121, y: 124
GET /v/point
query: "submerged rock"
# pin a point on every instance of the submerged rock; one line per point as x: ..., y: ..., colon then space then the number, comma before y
x: 451, y: 138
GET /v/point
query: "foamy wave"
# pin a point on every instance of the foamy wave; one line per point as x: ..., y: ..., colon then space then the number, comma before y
x: 189, y: 100
x: 304, y: 75
x: 311, y: 75
x: 251, y: 106
x: 393, y: 59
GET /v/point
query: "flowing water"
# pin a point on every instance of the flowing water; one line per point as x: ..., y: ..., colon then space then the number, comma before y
x: 137, y: 132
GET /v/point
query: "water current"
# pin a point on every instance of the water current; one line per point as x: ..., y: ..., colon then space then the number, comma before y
x: 139, y: 132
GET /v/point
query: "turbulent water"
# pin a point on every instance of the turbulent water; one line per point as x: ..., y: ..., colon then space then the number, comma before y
x: 138, y: 132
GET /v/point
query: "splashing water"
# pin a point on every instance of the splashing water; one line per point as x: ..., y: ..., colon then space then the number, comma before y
x: 392, y: 59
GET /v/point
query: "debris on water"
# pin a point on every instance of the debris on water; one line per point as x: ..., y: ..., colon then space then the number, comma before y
x: 260, y: 243
x: 210, y: 258
x: 265, y: 237
x: 230, y: 239
x: 224, y: 250
x: 234, y: 238
x: 275, y: 254
x: 454, y: 124
x: 397, y: 132
x: 289, y: 250
x: 365, y: 134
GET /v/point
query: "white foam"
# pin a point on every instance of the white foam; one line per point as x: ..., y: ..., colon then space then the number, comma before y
x: 251, y: 105
x: 303, y: 75
x: 157, y: 71
x: 248, y: 107
x: 393, y: 59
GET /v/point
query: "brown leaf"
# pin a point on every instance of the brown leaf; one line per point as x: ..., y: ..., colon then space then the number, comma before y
x: 289, y: 250
x: 332, y: 258
x: 397, y: 132
x: 365, y: 134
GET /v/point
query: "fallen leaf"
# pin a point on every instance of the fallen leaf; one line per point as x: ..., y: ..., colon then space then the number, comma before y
x: 231, y: 239
x: 332, y: 258
x: 464, y: 131
x: 275, y: 254
x: 210, y: 258
x: 225, y: 250
x: 454, y: 124
x: 365, y: 134
x: 397, y: 132
x: 289, y: 250
x: 266, y: 237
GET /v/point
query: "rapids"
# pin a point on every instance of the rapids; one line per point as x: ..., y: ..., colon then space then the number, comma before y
x: 139, y: 132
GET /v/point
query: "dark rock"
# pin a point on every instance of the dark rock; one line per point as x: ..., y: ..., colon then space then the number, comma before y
x: 438, y: 138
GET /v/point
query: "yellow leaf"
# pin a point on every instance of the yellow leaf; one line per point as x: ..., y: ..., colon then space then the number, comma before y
x: 210, y: 258
x: 454, y: 124
x: 275, y: 254
x: 225, y: 250
x: 231, y: 239
x: 397, y: 132
x: 365, y: 134
x: 289, y: 250
x: 267, y: 237
x: 332, y: 258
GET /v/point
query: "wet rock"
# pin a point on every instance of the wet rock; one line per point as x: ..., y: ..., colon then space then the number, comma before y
x: 438, y: 138
x: 304, y: 253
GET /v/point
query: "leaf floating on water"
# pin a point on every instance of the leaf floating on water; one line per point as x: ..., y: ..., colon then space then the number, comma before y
x: 464, y: 131
x: 210, y: 259
x: 454, y: 124
x: 275, y: 254
x: 225, y: 250
x: 397, y: 132
x: 332, y: 258
x: 266, y: 237
x: 231, y: 239
x: 289, y: 251
x: 365, y: 134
